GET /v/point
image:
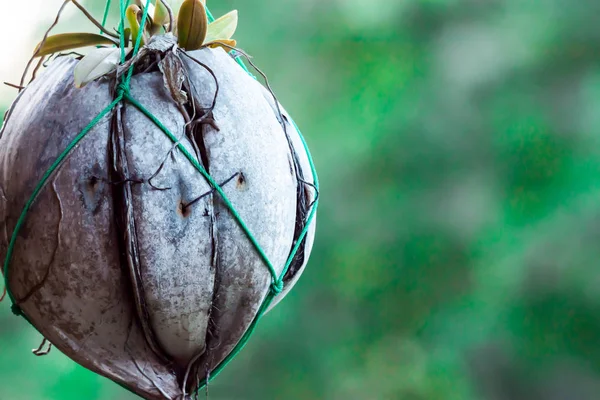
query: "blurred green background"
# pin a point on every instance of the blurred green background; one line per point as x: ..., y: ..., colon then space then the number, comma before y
x: 458, y: 144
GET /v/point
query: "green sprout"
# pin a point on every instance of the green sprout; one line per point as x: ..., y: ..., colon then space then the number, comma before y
x: 191, y: 27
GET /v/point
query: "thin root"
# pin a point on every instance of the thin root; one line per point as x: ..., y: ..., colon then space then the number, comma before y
x: 44, y: 279
x: 62, y: 7
x: 14, y: 85
x: 314, y: 187
x: 171, y: 16
x: 191, y: 203
x: 93, y: 20
x: 161, y: 166
x: 39, y: 352
x: 187, y: 372
x: 302, y: 212
x: 36, y: 69
x: 211, y: 72
x: 54, y: 57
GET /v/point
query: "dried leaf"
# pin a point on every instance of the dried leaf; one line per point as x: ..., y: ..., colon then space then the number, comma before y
x: 157, y: 44
x: 222, y: 28
x: 69, y: 41
x: 173, y: 75
x: 162, y: 43
x: 192, y: 24
x: 96, y: 64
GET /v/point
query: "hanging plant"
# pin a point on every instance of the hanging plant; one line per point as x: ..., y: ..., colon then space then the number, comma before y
x: 155, y: 199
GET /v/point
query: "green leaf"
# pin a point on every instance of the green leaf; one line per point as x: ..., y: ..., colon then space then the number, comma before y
x: 69, y: 41
x: 96, y: 64
x: 132, y: 17
x: 222, y: 28
x: 127, y: 36
x: 160, y: 15
x: 226, y: 44
x: 192, y: 24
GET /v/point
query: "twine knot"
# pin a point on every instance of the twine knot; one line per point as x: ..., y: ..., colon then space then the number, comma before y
x: 122, y: 89
x: 277, y: 287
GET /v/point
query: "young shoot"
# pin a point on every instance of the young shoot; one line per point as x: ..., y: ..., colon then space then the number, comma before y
x: 191, y: 28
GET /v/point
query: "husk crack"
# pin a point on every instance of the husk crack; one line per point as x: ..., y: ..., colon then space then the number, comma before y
x: 196, y: 130
x: 125, y: 222
x: 163, y: 55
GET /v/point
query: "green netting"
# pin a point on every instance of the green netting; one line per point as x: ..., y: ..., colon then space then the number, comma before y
x: 123, y: 94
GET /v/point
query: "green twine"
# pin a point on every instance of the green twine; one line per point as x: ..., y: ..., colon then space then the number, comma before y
x: 138, y: 40
x: 106, y: 10
x: 209, y: 15
x: 41, y: 185
x: 277, y: 285
x: 209, y: 179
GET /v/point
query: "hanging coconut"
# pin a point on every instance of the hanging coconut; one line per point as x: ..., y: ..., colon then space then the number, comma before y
x: 155, y: 200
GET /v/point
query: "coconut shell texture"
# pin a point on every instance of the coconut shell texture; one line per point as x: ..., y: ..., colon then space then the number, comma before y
x: 200, y: 280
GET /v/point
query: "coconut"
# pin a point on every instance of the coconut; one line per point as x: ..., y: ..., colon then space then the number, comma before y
x: 128, y: 261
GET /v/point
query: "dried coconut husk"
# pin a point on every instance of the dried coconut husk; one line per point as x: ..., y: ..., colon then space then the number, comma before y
x: 151, y: 282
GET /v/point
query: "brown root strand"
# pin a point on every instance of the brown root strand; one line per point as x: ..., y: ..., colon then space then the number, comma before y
x: 93, y: 20
x: 191, y: 203
x: 211, y: 72
x: 302, y: 209
x: 38, y: 286
x: 62, y: 7
x: 36, y: 69
x: 171, y: 15
x: 39, y: 352
x: 57, y: 56
x: 13, y: 85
